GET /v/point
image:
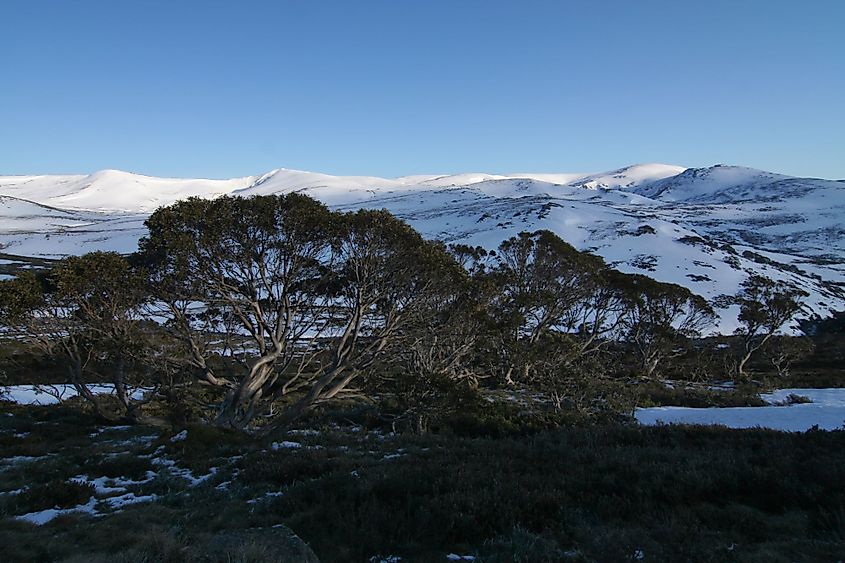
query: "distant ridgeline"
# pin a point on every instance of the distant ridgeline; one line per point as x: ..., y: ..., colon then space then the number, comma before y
x: 706, y: 229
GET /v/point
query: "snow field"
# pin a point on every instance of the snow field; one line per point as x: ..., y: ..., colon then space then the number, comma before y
x: 826, y: 411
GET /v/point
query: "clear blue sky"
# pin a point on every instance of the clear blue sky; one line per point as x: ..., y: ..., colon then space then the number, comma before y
x: 391, y: 87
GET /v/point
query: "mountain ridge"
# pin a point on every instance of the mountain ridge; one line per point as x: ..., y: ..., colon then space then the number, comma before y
x: 705, y: 228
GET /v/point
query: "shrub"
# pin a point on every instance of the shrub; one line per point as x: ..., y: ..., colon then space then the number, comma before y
x: 521, y: 546
x: 53, y: 494
x: 129, y: 466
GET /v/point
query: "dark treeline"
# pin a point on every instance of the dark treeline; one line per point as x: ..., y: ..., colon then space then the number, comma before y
x: 273, y: 305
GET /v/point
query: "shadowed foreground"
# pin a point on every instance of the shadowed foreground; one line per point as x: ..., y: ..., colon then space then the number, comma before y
x: 481, y: 488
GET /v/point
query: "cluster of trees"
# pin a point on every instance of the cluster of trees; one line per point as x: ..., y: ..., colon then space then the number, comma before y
x: 276, y: 300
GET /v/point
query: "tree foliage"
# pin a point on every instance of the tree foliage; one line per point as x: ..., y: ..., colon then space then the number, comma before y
x: 84, y: 313
x: 308, y: 298
x: 660, y: 318
x: 276, y: 305
x: 547, y: 289
x: 765, y: 307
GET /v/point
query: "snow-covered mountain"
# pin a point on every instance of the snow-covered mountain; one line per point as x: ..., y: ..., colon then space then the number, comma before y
x: 705, y: 228
x: 114, y: 190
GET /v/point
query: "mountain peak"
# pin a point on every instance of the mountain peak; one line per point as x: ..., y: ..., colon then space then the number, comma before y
x: 719, y: 182
x: 629, y: 177
x: 705, y: 228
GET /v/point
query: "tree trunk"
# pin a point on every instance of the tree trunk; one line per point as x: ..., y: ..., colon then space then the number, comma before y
x: 238, y: 408
x: 303, y: 405
x: 740, y: 367
x: 74, y: 368
x: 650, y: 365
x: 750, y: 349
x: 120, y: 389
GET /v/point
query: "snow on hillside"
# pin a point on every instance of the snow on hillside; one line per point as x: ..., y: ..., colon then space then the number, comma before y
x: 771, y: 212
x: 25, y: 216
x: 718, y: 184
x: 706, y: 228
x: 114, y: 190
x: 327, y: 188
x: 449, y: 180
x: 630, y: 177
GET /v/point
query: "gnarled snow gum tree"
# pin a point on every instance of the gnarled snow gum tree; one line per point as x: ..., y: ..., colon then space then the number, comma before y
x: 254, y: 264
x: 84, y: 312
x: 765, y: 307
x: 660, y: 317
x: 315, y: 296
x: 556, y: 304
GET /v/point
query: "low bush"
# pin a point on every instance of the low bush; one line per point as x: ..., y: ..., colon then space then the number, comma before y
x: 522, y: 546
x: 52, y: 494
x: 675, y: 493
x: 286, y: 467
x: 681, y: 394
x: 129, y: 466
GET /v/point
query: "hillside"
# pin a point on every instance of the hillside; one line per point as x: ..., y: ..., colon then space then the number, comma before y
x: 706, y: 228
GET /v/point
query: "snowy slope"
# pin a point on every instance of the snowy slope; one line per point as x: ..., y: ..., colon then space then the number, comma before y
x: 714, y: 184
x: 707, y: 228
x: 114, y: 190
x: 630, y: 177
x: 24, y: 216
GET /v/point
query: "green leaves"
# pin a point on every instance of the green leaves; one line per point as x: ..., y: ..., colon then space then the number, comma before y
x: 766, y: 305
x: 299, y: 282
x: 20, y: 296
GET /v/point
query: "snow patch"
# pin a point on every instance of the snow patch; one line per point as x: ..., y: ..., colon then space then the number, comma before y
x: 44, y: 516
x: 286, y: 445
x: 825, y: 412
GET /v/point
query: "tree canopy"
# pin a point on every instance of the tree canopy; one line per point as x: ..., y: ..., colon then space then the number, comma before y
x: 277, y: 304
